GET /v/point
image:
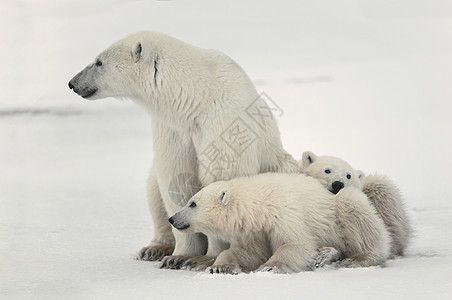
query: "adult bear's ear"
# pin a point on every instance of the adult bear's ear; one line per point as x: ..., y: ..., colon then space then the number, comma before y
x: 307, y: 159
x: 224, y: 196
x: 138, y: 51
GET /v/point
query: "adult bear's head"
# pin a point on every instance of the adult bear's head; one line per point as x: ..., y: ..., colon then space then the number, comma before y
x: 116, y: 71
x: 171, y: 79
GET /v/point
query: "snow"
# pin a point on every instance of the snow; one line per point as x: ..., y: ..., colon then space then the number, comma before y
x: 367, y: 81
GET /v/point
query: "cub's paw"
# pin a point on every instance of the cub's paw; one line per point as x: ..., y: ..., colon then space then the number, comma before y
x: 275, y: 268
x: 172, y: 262
x: 359, y: 262
x: 325, y: 256
x: 198, y: 263
x: 154, y: 252
x: 224, y: 269
x: 348, y: 263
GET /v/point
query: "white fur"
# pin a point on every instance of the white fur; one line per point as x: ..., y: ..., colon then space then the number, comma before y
x: 198, y: 100
x: 388, y: 201
x: 381, y: 191
x: 276, y: 222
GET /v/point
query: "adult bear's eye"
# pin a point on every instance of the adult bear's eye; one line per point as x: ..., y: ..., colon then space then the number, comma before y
x: 98, y: 63
x: 193, y: 204
x: 349, y: 176
x: 327, y: 171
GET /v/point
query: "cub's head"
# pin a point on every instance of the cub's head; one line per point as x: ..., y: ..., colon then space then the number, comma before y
x: 205, y: 211
x: 333, y: 172
x: 116, y: 71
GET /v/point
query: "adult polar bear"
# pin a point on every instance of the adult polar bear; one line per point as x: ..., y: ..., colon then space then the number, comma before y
x: 208, y: 124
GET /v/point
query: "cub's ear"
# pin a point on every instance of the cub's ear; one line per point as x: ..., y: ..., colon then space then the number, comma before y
x: 224, y: 196
x: 138, y: 51
x: 361, y: 175
x: 307, y: 159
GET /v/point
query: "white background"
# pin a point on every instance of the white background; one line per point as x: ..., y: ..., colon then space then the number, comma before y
x: 368, y: 81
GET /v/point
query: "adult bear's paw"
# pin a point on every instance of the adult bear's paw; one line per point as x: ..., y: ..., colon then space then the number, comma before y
x: 154, y: 252
x: 198, y: 263
x: 172, y: 262
x: 184, y: 262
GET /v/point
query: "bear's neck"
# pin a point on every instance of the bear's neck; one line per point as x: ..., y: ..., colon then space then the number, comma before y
x: 178, y: 95
x: 179, y: 111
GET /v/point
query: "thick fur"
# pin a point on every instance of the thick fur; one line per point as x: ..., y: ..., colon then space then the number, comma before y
x: 206, y: 127
x: 388, y: 201
x: 381, y: 191
x: 276, y: 222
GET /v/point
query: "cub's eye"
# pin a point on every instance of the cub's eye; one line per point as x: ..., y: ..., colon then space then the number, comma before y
x: 327, y: 171
x: 349, y: 176
x: 98, y: 63
x: 193, y: 204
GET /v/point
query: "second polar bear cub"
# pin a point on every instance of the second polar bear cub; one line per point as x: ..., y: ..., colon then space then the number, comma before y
x: 276, y: 222
x: 335, y: 173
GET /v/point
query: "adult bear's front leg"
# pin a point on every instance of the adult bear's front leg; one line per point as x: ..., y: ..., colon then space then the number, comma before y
x: 189, y: 253
x: 163, y: 242
x: 176, y: 171
x: 200, y: 263
x: 195, y: 262
x: 190, y: 248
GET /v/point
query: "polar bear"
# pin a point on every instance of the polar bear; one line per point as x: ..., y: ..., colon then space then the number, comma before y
x: 276, y: 222
x: 208, y: 124
x: 335, y: 173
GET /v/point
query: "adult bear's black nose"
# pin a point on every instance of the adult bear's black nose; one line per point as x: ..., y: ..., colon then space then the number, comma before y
x: 171, y: 220
x: 71, y: 86
x: 337, y: 186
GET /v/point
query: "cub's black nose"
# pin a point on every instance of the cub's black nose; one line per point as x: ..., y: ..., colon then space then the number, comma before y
x: 337, y: 186
x: 71, y: 86
x: 171, y: 220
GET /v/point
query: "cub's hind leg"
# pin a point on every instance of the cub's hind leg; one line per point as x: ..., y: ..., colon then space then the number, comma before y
x: 366, y: 239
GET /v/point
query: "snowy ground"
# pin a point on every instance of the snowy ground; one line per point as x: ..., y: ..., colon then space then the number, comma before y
x: 367, y: 82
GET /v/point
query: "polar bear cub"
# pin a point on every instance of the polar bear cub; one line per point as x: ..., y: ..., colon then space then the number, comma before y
x: 276, y: 222
x: 335, y: 173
